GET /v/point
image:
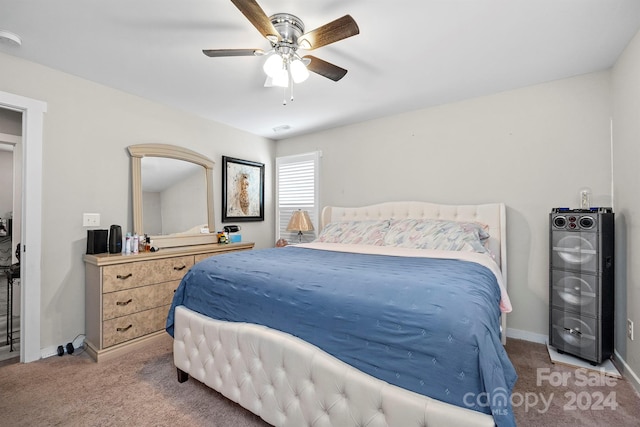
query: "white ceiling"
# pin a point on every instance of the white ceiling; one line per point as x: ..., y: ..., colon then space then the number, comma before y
x: 410, y: 54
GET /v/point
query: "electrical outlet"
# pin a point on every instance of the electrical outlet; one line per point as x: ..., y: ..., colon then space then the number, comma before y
x: 91, y: 220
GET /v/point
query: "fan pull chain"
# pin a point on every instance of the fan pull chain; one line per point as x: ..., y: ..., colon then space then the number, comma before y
x: 291, y: 90
x: 284, y: 93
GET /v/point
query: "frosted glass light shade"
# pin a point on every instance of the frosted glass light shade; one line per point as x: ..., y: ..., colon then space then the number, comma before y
x: 299, y: 72
x: 281, y: 78
x: 273, y: 65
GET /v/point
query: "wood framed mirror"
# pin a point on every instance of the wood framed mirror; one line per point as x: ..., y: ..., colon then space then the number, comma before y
x: 172, y: 190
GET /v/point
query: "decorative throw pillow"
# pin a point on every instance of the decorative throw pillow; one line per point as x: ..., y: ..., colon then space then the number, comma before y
x: 370, y: 232
x: 437, y: 234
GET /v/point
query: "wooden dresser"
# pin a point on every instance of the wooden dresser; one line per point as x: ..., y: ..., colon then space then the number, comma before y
x: 127, y: 297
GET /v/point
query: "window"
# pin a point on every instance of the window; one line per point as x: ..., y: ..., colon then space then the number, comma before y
x: 297, y: 180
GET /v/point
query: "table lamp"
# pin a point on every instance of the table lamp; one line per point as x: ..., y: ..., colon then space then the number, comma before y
x: 300, y: 222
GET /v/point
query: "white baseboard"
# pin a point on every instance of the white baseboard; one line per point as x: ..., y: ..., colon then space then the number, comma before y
x: 626, y: 370
x: 527, y: 336
x: 53, y: 350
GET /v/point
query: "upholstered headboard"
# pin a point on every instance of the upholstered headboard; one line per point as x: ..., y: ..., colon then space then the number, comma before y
x: 491, y: 214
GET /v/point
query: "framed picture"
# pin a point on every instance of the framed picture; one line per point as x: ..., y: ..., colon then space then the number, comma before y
x: 242, y: 190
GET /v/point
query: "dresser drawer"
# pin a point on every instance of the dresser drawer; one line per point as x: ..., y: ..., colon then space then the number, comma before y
x: 141, y: 273
x: 121, y: 303
x: 121, y: 329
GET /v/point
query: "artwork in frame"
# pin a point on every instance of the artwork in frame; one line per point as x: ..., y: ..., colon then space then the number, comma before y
x: 242, y: 190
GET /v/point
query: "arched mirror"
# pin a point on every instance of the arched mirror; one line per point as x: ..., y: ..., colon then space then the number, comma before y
x: 172, y: 190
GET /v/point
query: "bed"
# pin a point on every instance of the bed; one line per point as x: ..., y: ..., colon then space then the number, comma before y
x: 394, y: 316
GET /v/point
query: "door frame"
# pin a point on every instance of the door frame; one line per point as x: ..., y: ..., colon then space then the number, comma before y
x: 31, y: 221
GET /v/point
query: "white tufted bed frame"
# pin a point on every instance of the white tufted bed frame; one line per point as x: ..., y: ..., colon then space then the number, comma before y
x: 289, y: 382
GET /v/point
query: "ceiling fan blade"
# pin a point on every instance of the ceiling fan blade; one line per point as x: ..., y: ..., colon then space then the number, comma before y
x: 329, y: 33
x: 214, y: 53
x: 325, y: 68
x: 254, y: 13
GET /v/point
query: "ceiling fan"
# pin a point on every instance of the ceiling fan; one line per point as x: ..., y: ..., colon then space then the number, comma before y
x: 286, y: 34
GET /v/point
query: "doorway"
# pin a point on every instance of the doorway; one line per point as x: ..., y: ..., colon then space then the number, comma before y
x: 31, y: 220
x: 10, y: 198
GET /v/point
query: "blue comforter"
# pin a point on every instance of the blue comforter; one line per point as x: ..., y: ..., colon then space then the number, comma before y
x: 429, y: 325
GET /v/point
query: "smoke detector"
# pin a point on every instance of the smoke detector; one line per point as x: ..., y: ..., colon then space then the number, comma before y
x: 281, y: 128
x: 10, y: 38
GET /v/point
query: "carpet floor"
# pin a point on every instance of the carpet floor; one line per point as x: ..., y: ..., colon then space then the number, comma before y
x: 141, y: 389
x: 548, y: 394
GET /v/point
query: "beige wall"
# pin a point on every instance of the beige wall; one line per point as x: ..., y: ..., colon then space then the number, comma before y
x: 86, y: 169
x: 531, y: 148
x: 626, y: 156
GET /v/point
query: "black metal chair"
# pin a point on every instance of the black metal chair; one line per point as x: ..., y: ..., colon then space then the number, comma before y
x: 12, y: 273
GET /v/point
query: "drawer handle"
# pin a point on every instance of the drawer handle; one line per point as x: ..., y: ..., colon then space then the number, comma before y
x: 124, y: 329
x: 123, y: 302
x: 120, y: 276
x: 180, y: 268
x: 573, y: 331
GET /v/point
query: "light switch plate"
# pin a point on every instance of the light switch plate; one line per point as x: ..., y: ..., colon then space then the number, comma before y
x: 91, y: 220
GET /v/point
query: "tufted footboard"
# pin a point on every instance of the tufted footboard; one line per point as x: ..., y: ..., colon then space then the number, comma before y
x: 288, y: 382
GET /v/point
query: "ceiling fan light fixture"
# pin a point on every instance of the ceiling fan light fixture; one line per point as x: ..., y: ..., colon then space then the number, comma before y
x: 286, y: 34
x: 273, y: 65
x: 281, y: 79
x: 299, y: 72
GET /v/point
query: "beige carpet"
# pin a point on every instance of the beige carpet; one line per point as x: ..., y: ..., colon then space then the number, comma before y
x: 141, y: 390
x: 549, y: 394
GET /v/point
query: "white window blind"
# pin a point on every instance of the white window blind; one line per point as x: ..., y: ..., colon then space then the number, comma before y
x: 297, y: 180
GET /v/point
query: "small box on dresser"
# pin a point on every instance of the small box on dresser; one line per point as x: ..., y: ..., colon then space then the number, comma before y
x: 127, y: 297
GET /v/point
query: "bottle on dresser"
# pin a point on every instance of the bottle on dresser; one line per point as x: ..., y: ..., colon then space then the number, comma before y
x: 135, y: 243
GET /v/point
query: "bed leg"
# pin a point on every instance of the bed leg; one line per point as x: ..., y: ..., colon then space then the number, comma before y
x: 182, y: 375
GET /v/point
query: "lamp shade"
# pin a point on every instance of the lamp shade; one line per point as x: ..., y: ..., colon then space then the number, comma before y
x: 281, y: 78
x: 273, y: 65
x: 300, y: 221
x: 299, y: 72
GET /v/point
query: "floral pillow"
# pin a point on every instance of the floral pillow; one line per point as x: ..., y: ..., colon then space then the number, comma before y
x: 355, y: 232
x: 437, y: 234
